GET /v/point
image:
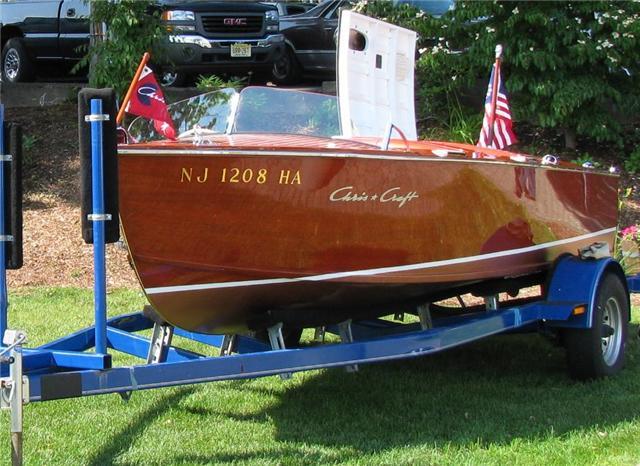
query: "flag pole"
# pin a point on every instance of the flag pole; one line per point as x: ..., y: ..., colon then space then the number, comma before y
x: 127, y: 97
x: 494, y: 94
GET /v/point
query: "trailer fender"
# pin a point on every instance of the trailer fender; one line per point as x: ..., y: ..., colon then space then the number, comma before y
x: 634, y: 283
x: 576, y: 280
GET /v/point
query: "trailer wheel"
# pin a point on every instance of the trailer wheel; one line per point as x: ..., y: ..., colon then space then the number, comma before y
x: 599, y: 351
x: 16, y: 64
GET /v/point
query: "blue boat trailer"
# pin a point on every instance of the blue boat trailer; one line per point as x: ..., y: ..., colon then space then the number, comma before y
x: 575, y: 294
x: 634, y: 283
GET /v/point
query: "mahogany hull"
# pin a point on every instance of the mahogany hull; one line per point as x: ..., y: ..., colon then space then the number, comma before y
x: 222, y: 237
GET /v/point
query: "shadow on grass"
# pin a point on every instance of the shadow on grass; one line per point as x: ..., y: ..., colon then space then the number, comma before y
x: 121, y: 441
x: 294, y: 456
x: 487, y: 393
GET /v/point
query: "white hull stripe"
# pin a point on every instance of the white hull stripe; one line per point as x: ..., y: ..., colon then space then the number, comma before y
x: 379, y: 271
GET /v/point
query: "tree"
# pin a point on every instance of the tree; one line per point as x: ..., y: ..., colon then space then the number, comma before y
x: 133, y: 27
x: 570, y: 65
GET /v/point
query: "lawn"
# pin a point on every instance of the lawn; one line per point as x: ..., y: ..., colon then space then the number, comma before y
x: 505, y: 400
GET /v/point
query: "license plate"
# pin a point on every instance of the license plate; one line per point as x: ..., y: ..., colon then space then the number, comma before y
x: 240, y: 50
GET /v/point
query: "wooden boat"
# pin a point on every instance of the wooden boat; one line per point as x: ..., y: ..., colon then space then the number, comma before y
x: 281, y: 206
x: 239, y: 224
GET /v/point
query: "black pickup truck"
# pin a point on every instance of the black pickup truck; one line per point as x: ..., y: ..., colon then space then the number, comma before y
x: 204, y: 36
x: 310, y: 37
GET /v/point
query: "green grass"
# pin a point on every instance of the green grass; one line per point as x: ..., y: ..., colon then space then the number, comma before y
x: 505, y: 400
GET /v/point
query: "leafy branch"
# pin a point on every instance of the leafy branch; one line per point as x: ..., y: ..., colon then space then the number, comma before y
x: 134, y: 27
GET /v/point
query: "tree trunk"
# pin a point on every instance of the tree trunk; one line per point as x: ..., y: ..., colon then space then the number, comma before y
x: 96, y: 35
x: 570, y: 138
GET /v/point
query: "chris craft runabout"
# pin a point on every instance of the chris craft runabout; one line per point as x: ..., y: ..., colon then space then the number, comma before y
x: 260, y: 212
x: 283, y: 206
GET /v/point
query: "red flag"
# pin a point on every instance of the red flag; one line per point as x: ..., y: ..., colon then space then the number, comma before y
x: 148, y: 101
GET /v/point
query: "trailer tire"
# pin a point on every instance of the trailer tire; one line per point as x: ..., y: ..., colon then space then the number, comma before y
x: 598, y: 351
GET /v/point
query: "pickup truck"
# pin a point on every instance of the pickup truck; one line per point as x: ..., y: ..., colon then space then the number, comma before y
x: 310, y: 37
x: 204, y: 36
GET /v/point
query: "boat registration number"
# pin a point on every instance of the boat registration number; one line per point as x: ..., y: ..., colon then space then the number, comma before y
x: 240, y: 50
x: 243, y: 175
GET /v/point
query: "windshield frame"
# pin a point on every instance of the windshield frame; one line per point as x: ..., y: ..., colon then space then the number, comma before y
x: 285, y: 111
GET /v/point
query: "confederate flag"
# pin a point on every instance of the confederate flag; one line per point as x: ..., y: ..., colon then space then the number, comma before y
x: 147, y: 101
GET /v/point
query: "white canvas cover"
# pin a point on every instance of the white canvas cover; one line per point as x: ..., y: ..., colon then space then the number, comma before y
x: 375, y: 76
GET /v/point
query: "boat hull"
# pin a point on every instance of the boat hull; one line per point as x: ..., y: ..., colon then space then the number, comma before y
x: 224, y: 238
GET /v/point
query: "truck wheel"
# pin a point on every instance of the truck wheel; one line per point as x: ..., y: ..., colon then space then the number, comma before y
x: 16, y: 64
x: 599, y: 351
x: 172, y: 79
x: 286, y: 69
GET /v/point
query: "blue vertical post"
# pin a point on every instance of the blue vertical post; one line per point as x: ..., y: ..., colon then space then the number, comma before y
x: 98, y: 217
x: 3, y: 271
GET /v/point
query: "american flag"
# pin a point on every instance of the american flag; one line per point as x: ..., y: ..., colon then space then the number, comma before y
x: 503, y: 134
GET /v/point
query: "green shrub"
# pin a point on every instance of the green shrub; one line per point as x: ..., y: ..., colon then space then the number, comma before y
x: 459, y: 126
x: 28, y: 143
x: 214, y: 82
x: 586, y: 160
x: 133, y: 28
x: 567, y: 65
x: 632, y: 164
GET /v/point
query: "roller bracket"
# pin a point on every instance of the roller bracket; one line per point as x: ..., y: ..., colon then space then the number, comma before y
x: 228, y: 344
x: 99, y: 217
x: 424, y: 313
x: 160, y: 343
x: 277, y: 343
x: 346, y: 335
x: 90, y: 118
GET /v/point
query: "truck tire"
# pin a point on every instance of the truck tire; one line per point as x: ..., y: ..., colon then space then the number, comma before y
x: 598, y: 351
x: 286, y: 69
x: 16, y: 64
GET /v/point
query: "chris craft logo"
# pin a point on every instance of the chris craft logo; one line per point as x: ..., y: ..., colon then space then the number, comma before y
x: 234, y: 21
x: 350, y: 194
x: 149, y: 92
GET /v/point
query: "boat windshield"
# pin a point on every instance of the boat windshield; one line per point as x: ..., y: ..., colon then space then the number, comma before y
x: 272, y: 110
x: 254, y: 110
x: 212, y: 111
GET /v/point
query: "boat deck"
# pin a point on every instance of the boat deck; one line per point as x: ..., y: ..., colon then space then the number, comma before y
x: 363, y: 145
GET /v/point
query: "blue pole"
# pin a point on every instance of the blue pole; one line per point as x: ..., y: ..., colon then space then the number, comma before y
x: 98, y: 217
x: 3, y: 271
